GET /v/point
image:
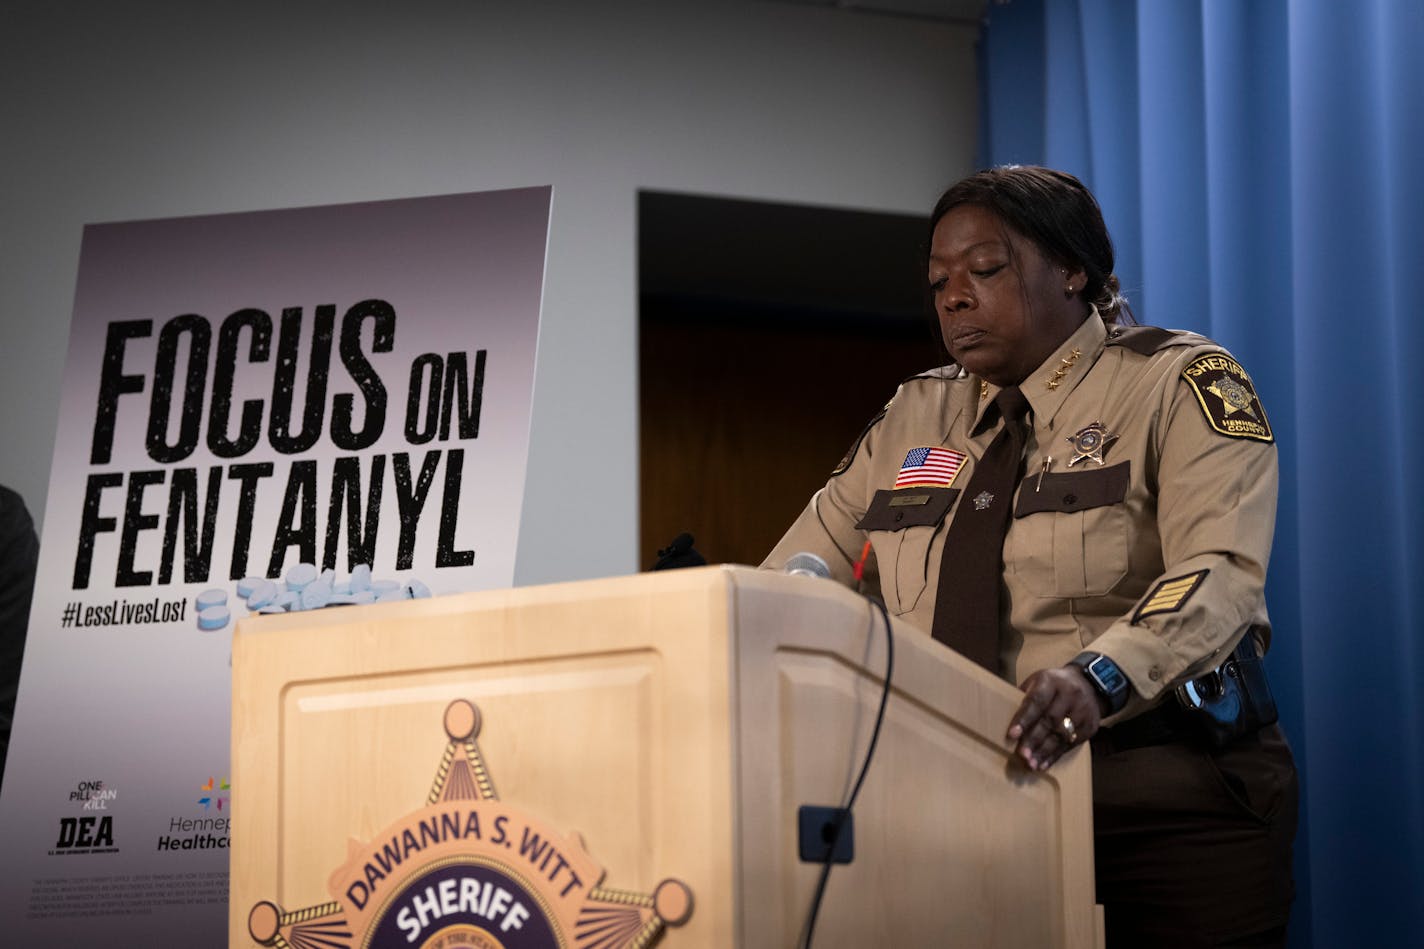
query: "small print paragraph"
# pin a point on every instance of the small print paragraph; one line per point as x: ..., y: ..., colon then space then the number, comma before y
x: 119, y: 895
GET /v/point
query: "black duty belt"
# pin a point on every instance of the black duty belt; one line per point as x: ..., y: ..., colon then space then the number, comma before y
x: 1158, y: 726
x: 1214, y: 710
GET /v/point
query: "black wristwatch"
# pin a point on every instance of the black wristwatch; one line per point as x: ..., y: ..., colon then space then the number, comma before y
x: 1107, y: 679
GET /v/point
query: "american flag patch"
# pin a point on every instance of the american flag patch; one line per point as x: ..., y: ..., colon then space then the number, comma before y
x: 929, y: 467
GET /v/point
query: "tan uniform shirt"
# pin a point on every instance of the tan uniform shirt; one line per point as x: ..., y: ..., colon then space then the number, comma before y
x: 1156, y: 557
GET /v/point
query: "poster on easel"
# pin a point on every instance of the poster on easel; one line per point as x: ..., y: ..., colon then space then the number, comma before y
x: 261, y: 412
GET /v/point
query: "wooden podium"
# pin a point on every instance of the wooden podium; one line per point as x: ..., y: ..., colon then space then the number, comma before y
x: 668, y: 725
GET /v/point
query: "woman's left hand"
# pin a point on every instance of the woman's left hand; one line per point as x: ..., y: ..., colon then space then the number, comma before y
x: 1060, y: 709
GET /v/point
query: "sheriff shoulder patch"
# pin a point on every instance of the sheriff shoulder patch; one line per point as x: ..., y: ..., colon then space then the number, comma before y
x: 1169, y: 596
x: 1227, y: 397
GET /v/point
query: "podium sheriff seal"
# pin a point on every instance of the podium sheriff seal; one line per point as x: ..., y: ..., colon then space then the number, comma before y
x: 467, y: 871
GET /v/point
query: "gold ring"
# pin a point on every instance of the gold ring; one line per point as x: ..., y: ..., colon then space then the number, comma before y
x: 1070, y: 731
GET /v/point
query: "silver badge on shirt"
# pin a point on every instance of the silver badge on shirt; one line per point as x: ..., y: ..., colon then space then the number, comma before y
x: 1090, y: 443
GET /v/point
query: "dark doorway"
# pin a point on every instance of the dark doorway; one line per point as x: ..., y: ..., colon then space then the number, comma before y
x: 769, y: 335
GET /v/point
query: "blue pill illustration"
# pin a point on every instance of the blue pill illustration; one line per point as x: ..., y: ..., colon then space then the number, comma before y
x: 211, y: 598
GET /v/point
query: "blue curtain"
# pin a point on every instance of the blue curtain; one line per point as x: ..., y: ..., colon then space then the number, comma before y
x: 1261, y: 166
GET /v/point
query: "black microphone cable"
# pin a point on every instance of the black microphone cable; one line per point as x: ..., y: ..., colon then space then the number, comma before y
x: 810, y: 927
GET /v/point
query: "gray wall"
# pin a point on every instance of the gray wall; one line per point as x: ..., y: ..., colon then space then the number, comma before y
x: 140, y: 110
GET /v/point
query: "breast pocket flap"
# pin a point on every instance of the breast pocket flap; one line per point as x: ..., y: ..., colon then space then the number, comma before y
x: 1069, y: 491
x: 914, y: 507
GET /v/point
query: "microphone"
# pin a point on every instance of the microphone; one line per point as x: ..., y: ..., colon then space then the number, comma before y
x: 807, y: 564
x: 826, y: 834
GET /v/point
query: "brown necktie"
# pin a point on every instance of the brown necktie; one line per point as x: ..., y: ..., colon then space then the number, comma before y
x: 966, y: 617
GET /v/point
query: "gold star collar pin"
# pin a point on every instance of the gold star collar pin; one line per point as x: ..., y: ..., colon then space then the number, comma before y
x: 1066, y: 363
x: 1090, y: 443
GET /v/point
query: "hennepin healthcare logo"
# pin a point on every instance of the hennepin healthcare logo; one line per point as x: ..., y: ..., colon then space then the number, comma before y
x: 90, y: 832
x: 216, y: 793
x: 467, y: 871
x: 212, y: 831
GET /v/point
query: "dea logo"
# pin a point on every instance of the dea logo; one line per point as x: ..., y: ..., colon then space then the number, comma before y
x: 467, y: 871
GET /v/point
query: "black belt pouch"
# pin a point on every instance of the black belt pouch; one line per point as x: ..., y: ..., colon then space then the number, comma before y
x: 1233, y: 700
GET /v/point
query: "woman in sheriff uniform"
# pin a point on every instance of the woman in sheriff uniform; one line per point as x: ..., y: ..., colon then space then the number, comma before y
x: 1087, y: 509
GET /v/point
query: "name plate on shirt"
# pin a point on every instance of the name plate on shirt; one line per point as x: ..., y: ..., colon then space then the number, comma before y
x: 909, y: 500
x: 892, y: 511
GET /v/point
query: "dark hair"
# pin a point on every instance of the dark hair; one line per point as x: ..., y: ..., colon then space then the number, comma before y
x: 1055, y: 211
